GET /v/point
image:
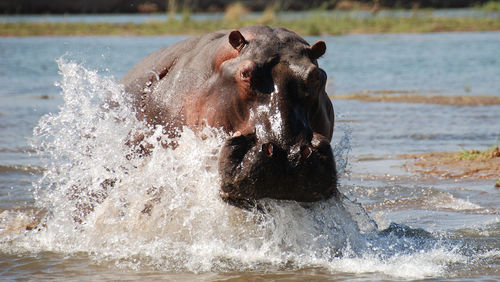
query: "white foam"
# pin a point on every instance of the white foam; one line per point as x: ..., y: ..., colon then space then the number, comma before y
x: 420, y: 265
x: 447, y: 201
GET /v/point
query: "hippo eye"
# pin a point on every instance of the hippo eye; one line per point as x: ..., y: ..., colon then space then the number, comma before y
x: 246, y: 74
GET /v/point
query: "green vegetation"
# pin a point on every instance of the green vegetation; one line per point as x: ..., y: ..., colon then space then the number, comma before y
x: 493, y: 152
x: 269, y: 15
x: 234, y: 12
x: 491, y: 6
x: 316, y: 24
x: 171, y: 9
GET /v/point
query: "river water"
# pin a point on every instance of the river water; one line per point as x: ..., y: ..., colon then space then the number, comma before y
x: 56, y: 137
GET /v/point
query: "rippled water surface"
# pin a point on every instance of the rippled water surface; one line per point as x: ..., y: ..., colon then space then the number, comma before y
x: 55, y: 138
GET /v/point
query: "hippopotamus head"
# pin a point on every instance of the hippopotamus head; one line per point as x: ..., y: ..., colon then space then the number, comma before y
x: 271, y: 99
x: 261, y: 85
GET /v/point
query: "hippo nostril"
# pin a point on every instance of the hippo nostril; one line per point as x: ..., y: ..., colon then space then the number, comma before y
x: 306, y: 152
x: 267, y: 148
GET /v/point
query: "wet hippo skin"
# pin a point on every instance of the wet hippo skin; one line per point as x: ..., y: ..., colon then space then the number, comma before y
x: 261, y: 85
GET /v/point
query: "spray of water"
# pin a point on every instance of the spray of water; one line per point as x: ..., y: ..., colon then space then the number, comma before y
x: 163, y: 210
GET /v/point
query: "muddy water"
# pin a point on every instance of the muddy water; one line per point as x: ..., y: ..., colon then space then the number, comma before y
x: 54, y: 138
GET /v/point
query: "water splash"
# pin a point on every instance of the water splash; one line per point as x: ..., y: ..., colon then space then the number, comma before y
x: 163, y: 211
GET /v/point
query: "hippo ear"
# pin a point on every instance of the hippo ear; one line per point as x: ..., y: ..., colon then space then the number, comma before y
x: 318, y: 49
x: 237, y: 40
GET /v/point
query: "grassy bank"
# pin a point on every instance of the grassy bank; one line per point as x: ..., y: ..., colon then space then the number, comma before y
x: 464, y: 164
x: 493, y: 152
x: 312, y: 25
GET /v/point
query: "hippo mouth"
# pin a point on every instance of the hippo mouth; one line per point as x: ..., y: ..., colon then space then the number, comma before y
x: 251, y: 170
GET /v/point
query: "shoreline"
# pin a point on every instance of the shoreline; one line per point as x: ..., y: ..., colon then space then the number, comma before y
x: 313, y: 25
x: 456, y: 165
x: 413, y: 97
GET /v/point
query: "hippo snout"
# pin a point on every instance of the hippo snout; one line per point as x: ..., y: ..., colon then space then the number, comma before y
x: 252, y: 170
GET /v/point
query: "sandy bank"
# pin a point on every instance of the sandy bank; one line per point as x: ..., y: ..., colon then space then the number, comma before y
x: 415, y: 98
x: 455, y: 165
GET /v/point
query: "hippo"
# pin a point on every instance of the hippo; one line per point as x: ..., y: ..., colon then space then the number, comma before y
x: 263, y: 87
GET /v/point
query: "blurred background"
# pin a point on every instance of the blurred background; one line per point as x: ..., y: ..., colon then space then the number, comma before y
x: 148, y: 6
